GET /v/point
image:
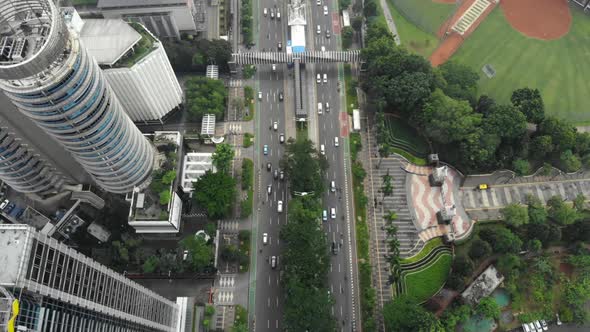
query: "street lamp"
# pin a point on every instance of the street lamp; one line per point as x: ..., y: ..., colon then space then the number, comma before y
x: 302, y: 193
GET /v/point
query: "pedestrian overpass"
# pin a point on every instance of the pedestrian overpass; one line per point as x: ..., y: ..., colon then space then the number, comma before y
x: 259, y: 58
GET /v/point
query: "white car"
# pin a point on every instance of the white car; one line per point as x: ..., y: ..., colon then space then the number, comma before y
x: 323, y: 149
x: 318, y: 30
x: 318, y: 78
x: 323, y: 48
x: 325, y: 10
x: 325, y: 78
x: 265, y: 238
x: 274, y: 262
x: 274, y: 67
x: 184, y: 255
x: 333, y: 186
x: 275, y: 126
x: 333, y: 213
x: 282, y: 138
x: 327, y: 107
x: 278, y: 15
x: 325, y: 215
x: 280, y: 207
x: 265, y: 11
x: 336, y: 144
x: 319, y: 108
x: 319, y: 2
x: 3, y: 204
x: 259, y: 95
x: 538, y: 326
x: 269, y: 189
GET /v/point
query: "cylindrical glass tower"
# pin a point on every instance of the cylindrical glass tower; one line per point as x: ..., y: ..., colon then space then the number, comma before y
x: 50, y: 77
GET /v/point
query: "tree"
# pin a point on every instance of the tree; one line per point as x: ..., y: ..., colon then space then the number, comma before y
x: 215, y: 193
x: 507, y: 264
x: 370, y: 9
x: 151, y: 264
x: 165, y: 197
x: 501, y: 239
x: 507, y: 122
x: 344, y: 4
x: 447, y: 120
x: 200, y: 254
x: 546, y: 233
x: 222, y: 157
x: 536, y: 210
x: 230, y: 253
x: 515, y: 215
x: 357, y: 23
x: 569, y: 161
x: 205, y: 96
x: 563, y: 135
x: 541, y: 146
x: 534, y: 246
x: 248, y: 71
x: 307, y: 308
x: 530, y: 103
x: 488, y: 308
x: 455, y: 316
x: 576, y: 296
x: 580, y: 202
x: 401, y: 315
x: 479, y: 248
x: 304, y: 166
x: 461, y: 81
x: 169, y: 177
x: 347, y: 34
x: 560, y: 212
x: 484, y: 105
x: 462, y: 266
x: 387, y: 186
x: 521, y: 167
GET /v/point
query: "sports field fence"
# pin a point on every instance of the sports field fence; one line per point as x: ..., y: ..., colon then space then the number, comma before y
x: 427, y: 15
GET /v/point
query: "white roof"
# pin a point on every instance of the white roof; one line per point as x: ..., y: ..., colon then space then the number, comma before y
x: 107, y: 40
x: 208, y: 125
x: 195, y: 165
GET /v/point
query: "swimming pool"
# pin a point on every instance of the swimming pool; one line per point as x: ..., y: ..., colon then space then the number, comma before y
x: 502, y: 297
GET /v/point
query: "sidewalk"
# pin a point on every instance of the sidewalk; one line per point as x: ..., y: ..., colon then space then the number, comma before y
x: 390, y: 22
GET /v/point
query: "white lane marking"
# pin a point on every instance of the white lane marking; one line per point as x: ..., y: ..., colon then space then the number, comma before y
x: 268, y: 302
x: 339, y: 268
x: 268, y: 324
x: 269, y: 279
x: 277, y: 324
x: 332, y: 288
x: 270, y: 222
x: 277, y: 301
x: 330, y: 266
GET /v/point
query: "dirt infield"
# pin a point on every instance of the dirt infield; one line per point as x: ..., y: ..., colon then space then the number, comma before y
x: 542, y: 19
x: 454, y: 40
x: 446, y: 49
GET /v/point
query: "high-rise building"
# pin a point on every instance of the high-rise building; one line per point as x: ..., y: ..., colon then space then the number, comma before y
x: 52, y: 80
x: 48, y: 286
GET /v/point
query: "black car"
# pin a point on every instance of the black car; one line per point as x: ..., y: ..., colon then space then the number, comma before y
x: 268, y: 166
x: 281, y: 97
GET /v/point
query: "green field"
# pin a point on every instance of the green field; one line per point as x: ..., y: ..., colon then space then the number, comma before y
x: 558, y: 68
x: 430, y: 245
x: 412, y: 37
x: 423, y: 284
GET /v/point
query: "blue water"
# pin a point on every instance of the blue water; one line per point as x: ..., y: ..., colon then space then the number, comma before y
x: 476, y: 324
x: 502, y: 297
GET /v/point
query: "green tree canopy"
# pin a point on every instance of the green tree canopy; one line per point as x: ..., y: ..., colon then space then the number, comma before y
x: 205, y: 96
x: 448, y: 120
x: 515, y: 215
x: 200, y: 254
x: 151, y: 264
x: 563, y: 135
x: 560, y: 212
x: 215, y: 192
x: 507, y: 122
x: 488, y: 307
x: 479, y: 248
x: 530, y: 103
x: 222, y: 157
x: 461, y: 81
x: 501, y: 239
x: 402, y: 315
x: 305, y: 166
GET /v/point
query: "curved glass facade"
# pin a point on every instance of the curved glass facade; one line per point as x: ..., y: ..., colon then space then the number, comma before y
x: 72, y: 102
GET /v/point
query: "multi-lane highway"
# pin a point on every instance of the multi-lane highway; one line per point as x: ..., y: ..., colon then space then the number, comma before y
x: 332, y: 131
x: 323, y: 129
x: 271, y: 112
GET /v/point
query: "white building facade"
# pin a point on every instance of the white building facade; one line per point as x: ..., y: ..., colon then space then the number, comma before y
x: 149, y: 89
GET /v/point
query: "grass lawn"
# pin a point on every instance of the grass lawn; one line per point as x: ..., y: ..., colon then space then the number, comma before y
x: 420, y: 38
x: 558, y: 68
x: 423, y: 284
x: 430, y: 245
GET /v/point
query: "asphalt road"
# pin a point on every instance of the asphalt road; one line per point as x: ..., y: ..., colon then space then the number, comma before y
x: 268, y: 293
x: 323, y: 130
x: 329, y: 126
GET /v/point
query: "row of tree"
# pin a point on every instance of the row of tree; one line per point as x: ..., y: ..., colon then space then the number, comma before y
x: 193, y: 55
x: 476, y: 134
x: 205, y: 96
x: 305, y: 257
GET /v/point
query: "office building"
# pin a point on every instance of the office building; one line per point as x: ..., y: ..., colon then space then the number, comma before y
x: 51, y: 78
x: 136, y: 67
x: 48, y: 286
x: 165, y: 18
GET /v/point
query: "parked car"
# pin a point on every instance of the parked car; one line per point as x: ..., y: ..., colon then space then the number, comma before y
x: 9, y: 207
x: 4, y: 204
x: 544, y: 325
x: 557, y: 320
